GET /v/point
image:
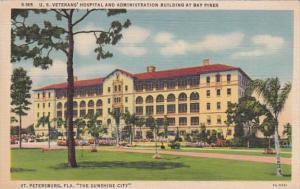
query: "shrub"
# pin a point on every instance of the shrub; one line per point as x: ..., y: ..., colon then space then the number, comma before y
x: 174, y: 145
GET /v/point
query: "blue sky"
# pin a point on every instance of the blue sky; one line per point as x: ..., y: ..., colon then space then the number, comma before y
x: 259, y: 42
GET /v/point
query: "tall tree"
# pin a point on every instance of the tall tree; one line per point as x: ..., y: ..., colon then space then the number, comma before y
x: 288, y: 132
x: 80, y: 124
x: 20, y: 95
x: 93, y: 128
x: 37, y: 42
x: 274, y: 97
x: 246, y: 116
x: 130, y: 121
x: 152, y: 123
x: 45, y: 120
x: 166, y: 125
x: 116, y: 114
x: 140, y: 122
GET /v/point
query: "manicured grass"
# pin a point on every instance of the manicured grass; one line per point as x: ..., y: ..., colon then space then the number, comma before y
x: 33, y: 164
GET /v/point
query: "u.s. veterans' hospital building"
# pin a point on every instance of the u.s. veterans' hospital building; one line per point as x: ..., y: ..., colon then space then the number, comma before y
x: 187, y: 96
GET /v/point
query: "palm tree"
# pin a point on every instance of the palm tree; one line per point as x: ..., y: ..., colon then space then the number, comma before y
x: 274, y: 96
x: 116, y: 114
x: 140, y: 122
x: 166, y: 125
x: 130, y: 121
x: 152, y: 123
x: 45, y: 120
x: 80, y: 124
x: 288, y: 132
x: 93, y: 128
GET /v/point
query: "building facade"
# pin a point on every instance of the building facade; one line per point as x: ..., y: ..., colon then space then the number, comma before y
x: 187, y: 96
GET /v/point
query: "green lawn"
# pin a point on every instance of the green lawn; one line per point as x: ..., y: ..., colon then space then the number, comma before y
x: 33, y: 164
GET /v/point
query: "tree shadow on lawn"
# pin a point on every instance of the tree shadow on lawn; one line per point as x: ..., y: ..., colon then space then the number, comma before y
x: 16, y: 170
x: 122, y: 164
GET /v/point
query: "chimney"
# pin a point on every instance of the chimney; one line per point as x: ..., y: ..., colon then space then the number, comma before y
x: 150, y: 68
x: 205, y: 62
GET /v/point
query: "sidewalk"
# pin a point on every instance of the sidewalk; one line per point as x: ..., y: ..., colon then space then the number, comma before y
x: 261, y: 159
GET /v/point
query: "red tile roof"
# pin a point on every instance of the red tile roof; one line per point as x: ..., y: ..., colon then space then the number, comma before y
x: 80, y: 83
x: 184, y: 71
x: 151, y: 75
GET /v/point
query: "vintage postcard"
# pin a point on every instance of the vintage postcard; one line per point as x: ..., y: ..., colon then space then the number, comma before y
x: 149, y: 94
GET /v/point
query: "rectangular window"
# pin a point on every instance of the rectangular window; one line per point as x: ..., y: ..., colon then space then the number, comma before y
x: 38, y: 114
x: 82, y: 113
x: 171, y: 108
x: 108, y: 89
x: 43, y: 105
x: 182, y: 121
x: 126, y: 109
x: 218, y: 105
x: 228, y: 78
x: 108, y: 100
x: 171, y: 121
x: 139, y: 110
x: 100, y: 112
x: 126, y: 99
x: 149, y: 110
x: 49, y: 94
x: 229, y: 132
x: 160, y: 85
x: 218, y: 92
x: 207, y: 79
x: 218, y: 78
x: 49, y: 104
x: 194, y: 120
x: 38, y: 105
x: 194, y: 107
x: 119, y: 87
x: 126, y: 87
x: 219, y: 120
x: 59, y: 114
x: 208, y: 93
x: 182, y: 108
x: 207, y: 106
x: 160, y: 109
x: 208, y: 120
x: 108, y: 110
x: 228, y: 91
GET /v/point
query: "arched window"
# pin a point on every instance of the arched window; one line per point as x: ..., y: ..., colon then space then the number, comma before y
x: 149, y: 99
x: 59, y: 105
x: 139, y: 100
x: 171, y: 98
x: 99, y: 103
x: 75, y: 104
x: 91, y: 104
x: 182, y: 97
x: 82, y: 104
x: 160, y: 98
x: 194, y: 96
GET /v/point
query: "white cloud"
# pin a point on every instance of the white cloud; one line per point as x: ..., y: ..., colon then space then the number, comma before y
x: 164, y: 38
x: 219, y: 42
x: 134, y: 35
x: 213, y: 42
x: 56, y: 72
x: 132, y: 38
x: 179, y: 47
x: 133, y: 51
x: 264, y: 45
x: 85, y: 43
x: 93, y: 71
